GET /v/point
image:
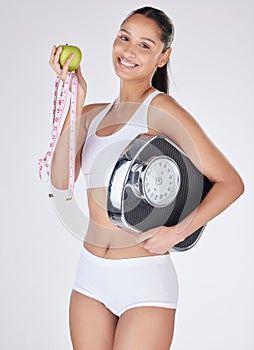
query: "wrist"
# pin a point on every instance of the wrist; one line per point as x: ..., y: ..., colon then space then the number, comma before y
x: 178, y: 234
x: 80, y: 103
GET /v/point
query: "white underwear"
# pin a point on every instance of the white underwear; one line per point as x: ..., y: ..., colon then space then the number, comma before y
x: 122, y: 284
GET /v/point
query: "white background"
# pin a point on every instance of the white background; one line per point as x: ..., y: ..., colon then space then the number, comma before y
x: 212, y: 73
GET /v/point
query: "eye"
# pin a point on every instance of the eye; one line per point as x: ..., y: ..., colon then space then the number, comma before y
x: 123, y: 37
x: 144, y: 46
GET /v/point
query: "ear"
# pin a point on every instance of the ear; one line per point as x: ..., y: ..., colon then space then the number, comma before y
x: 164, y: 57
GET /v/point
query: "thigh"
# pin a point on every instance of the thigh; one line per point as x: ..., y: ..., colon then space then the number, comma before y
x: 92, y: 325
x: 145, y: 328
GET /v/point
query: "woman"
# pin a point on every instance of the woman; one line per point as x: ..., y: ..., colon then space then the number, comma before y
x: 126, y: 290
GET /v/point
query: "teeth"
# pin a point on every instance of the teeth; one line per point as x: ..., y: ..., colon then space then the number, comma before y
x: 127, y: 64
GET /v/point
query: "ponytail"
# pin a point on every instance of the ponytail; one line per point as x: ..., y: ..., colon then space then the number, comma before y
x: 160, y: 79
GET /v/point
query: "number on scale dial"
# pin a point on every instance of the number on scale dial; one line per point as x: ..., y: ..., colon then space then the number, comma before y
x: 161, y: 181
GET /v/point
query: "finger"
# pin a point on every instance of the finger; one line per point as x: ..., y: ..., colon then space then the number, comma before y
x: 54, y: 59
x: 142, y: 238
x: 52, y: 54
x: 148, y: 234
x: 147, y: 246
x: 64, y: 71
x: 67, y: 63
x: 57, y: 56
x: 78, y: 72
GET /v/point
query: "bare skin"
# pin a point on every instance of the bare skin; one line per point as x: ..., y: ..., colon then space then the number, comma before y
x: 93, y: 326
x: 135, y: 59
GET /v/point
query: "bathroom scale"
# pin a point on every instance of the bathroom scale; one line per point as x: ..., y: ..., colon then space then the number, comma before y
x: 153, y: 184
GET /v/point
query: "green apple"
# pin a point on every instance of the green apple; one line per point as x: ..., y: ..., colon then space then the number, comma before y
x: 67, y: 50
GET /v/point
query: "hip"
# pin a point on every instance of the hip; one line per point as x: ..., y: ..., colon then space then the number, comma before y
x: 124, y: 283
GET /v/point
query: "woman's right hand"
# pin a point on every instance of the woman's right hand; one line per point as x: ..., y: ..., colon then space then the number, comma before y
x: 62, y: 72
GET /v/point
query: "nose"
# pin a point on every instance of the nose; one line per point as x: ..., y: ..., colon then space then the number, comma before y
x: 129, y: 51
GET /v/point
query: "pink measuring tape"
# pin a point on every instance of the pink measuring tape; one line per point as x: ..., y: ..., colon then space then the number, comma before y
x: 58, y: 109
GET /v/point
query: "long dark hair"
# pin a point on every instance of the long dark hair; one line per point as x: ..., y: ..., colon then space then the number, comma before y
x: 160, y: 79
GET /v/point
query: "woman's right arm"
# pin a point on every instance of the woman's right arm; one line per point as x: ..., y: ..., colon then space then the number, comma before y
x: 60, y: 159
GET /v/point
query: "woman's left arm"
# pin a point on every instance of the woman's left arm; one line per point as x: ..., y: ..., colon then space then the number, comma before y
x: 179, y: 126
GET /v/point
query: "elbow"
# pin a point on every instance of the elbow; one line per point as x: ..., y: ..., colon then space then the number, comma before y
x: 59, y: 174
x: 58, y: 183
x: 237, y: 186
x: 60, y: 180
x: 241, y: 186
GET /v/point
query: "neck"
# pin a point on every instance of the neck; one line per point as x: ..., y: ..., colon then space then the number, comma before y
x: 133, y: 92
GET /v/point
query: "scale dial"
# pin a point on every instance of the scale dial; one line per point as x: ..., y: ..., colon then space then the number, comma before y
x: 161, y: 181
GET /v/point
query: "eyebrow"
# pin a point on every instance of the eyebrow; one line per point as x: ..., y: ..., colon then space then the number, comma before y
x: 143, y: 38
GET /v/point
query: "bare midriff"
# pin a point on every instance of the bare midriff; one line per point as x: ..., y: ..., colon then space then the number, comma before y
x: 105, y: 239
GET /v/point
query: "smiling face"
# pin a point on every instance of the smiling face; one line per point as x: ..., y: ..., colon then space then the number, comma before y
x: 138, y: 49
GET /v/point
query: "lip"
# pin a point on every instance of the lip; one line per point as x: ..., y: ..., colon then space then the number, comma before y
x: 126, y: 64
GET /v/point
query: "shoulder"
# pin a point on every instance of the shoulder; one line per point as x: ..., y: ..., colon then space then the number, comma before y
x: 90, y: 111
x: 93, y: 106
x: 166, y: 108
x: 169, y: 105
x: 167, y: 117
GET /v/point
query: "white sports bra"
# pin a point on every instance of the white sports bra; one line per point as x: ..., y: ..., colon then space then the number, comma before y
x: 100, y: 153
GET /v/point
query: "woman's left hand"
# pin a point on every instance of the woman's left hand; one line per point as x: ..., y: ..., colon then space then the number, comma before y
x: 159, y: 239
